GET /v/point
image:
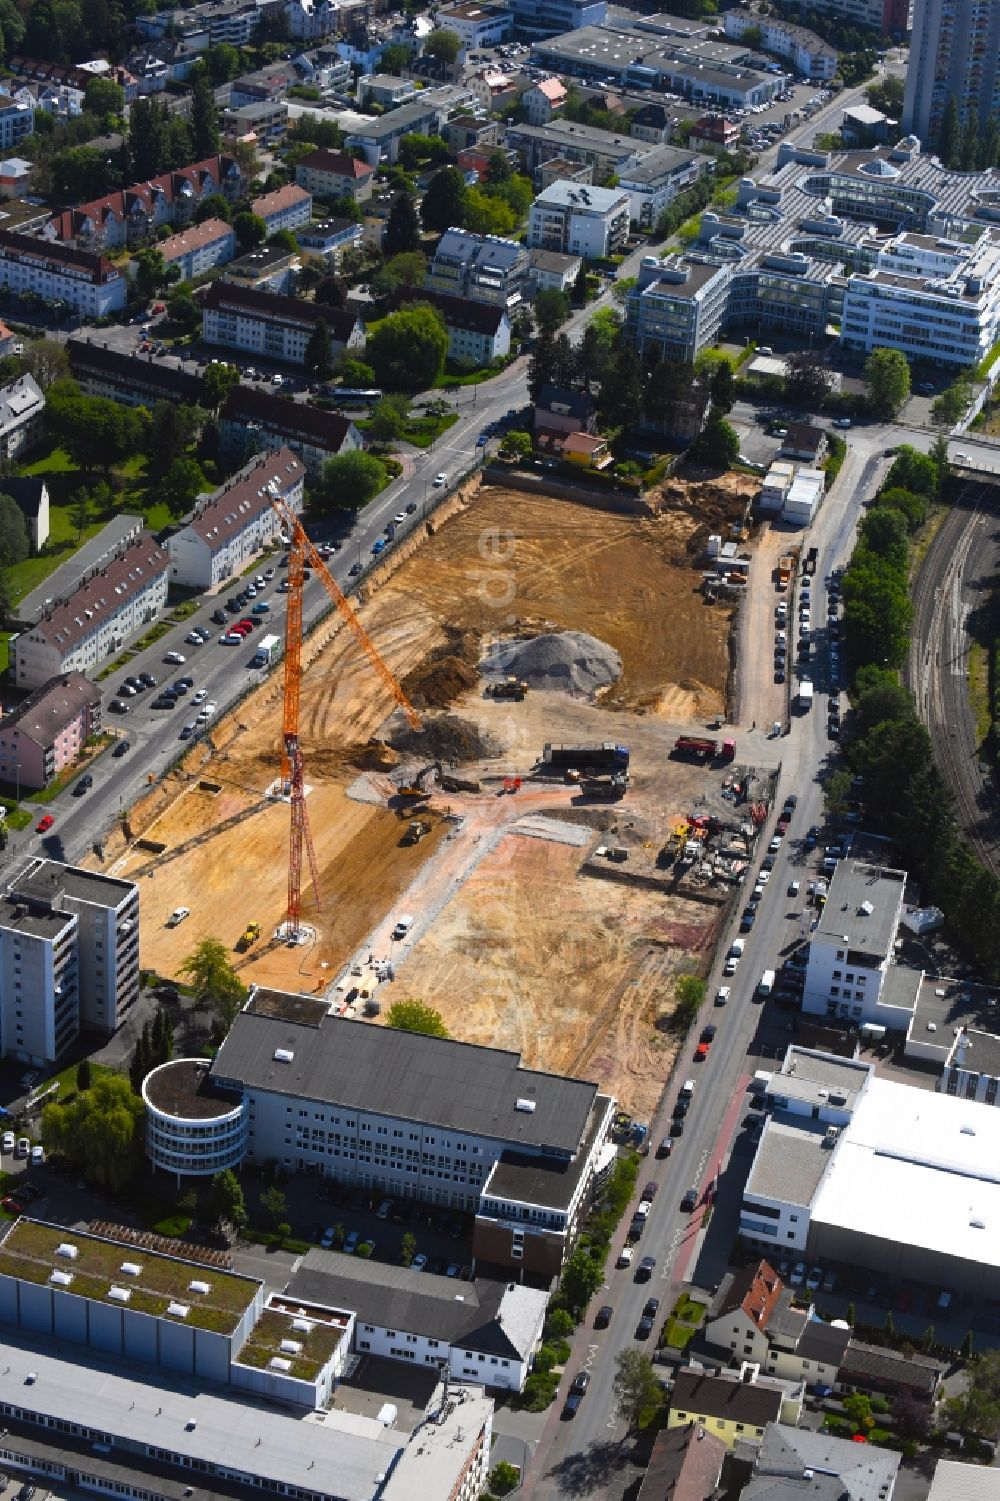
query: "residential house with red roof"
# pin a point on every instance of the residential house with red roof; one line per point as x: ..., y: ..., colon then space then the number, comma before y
x: 134, y: 213
x: 335, y: 174
x: 289, y: 207
x: 230, y: 527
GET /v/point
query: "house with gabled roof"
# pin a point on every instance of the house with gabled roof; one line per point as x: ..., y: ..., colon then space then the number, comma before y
x: 230, y: 527
x: 134, y: 212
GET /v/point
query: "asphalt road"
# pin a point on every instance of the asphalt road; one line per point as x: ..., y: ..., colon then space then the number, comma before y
x: 585, y: 1455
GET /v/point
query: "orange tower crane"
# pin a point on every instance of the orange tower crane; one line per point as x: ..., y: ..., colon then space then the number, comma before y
x: 291, y: 759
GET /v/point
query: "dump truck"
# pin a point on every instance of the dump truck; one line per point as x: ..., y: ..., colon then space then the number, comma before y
x: 696, y: 747
x: 416, y: 831
x: 249, y: 935
x: 812, y: 557
x: 604, y: 757
x: 786, y: 567
x: 613, y: 785
x: 507, y: 688
x: 268, y: 651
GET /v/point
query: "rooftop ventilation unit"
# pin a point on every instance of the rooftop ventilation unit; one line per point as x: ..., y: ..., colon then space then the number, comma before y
x: 130, y: 1268
x: 283, y: 1055
x: 119, y: 1294
x: 866, y: 909
x: 277, y: 1364
x: 68, y: 1250
x: 302, y: 1326
x: 61, y: 1279
x: 178, y: 1310
x: 527, y: 1107
x: 291, y: 1347
x: 199, y: 1287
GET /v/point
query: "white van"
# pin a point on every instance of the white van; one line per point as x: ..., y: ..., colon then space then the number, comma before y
x: 403, y: 926
x: 766, y: 982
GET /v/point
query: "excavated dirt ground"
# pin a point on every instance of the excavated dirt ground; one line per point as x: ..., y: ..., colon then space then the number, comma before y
x: 525, y: 953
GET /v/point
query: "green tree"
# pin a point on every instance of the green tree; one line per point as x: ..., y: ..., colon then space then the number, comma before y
x: 215, y: 981
x: 204, y: 119
x: 183, y: 311
x: 949, y: 407
x: 274, y: 1203
x: 330, y: 292
x: 689, y: 993
x: 580, y: 286
x: 173, y: 427
x: 858, y: 1408
x: 415, y: 1016
x: 837, y: 793
x: 99, y: 1131
x: 637, y: 1391
x: 402, y: 228
x: 912, y: 507
x: 444, y: 45
x: 318, y: 357
x: 516, y: 445
x: 355, y: 373
x: 487, y: 214
x: 851, y: 1315
x: 215, y: 206
x: 152, y: 272
x: 84, y: 1074
x: 228, y: 1204
x: 13, y: 532
x: 445, y: 201
x: 938, y: 457
x: 621, y: 388
x: 886, y: 95
x: 717, y: 444
x: 407, y: 350
x: 394, y: 59
x: 389, y: 418
x: 104, y: 98
x: 79, y: 513
x: 350, y: 481
x: 415, y: 149
x: 216, y: 383
x: 284, y: 239
x: 222, y: 61
x: 581, y: 1277
x: 503, y: 1478
x: 807, y: 381
x: 46, y: 360
x: 542, y: 366
x: 181, y: 485
x: 250, y: 230
x: 405, y: 270
x: 966, y: 1348
x: 887, y: 376
x: 407, y: 1247
x: 148, y: 138
x: 79, y: 170
x: 551, y: 310
x: 558, y: 1324
x: 665, y: 387
x: 723, y: 388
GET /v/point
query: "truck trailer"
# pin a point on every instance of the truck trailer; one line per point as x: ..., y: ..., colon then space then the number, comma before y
x: 605, y: 757
x: 268, y: 651
x: 805, y: 696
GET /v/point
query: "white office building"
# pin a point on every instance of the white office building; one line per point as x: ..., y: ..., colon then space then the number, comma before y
x: 654, y: 182
x: 573, y: 219
x: 69, y: 959
x: 851, y: 949
x: 485, y: 268
x: 230, y: 527
x: 857, y: 1171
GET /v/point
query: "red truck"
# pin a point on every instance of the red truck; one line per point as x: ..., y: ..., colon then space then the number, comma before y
x: 698, y: 748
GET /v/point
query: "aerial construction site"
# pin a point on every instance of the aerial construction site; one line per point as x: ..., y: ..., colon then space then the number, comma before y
x: 547, y: 904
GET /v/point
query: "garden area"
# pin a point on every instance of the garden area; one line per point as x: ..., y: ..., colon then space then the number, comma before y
x: 683, y: 1322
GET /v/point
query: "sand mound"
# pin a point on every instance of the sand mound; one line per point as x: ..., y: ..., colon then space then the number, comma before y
x: 561, y: 661
x: 435, y: 685
x: 447, y: 738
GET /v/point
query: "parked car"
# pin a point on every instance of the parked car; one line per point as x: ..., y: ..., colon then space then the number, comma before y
x: 44, y: 824
x: 604, y: 1314
x: 690, y: 1201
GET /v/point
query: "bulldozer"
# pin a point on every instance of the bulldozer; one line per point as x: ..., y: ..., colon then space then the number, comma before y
x: 509, y: 687
x: 249, y: 936
x: 417, y: 829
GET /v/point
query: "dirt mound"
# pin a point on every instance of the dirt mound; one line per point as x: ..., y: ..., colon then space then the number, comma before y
x: 560, y: 661
x: 376, y: 756
x: 436, y: 684
x: 446, y: 738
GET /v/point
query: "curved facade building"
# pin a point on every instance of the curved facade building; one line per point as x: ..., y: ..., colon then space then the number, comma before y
x: 192, y: 1128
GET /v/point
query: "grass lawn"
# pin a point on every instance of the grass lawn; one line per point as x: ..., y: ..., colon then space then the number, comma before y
x: 422, y: 432
x: 688, y: 1310
x: 678, y: 1335
x: 979, y: 688
x: 67, y: 1079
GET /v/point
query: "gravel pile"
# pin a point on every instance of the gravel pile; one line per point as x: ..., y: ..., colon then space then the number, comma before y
x: 564, y: 661
x: 446, y: 737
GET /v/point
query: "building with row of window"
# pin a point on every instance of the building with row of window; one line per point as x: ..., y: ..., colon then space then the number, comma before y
x: 289, y: 207
x: 571, y: 219
x: 199, y: 248
x: 275, y: 327
x: 485, y: 268
x: 132, y: 379
x: 87, y: 282
x: 335, y: 174
x: 416, y: 1117
x: 80, y: 631
x: 69, y: 959
x: 230, y: 527
x: 808, y: 54
x: 253, y: 421
x: 22, y: 413
x: 136, y: 212
x: 478, y: 332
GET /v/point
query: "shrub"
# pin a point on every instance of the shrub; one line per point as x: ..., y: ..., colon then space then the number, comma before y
x: 545, y: 1359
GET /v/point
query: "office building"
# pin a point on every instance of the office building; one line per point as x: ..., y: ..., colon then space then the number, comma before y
x: 46, y: 732
x: 253, y: 421
x: 478, y: 25
x: 544, y: 18
x: 199, y: 248
x: 602, y: 150
x: 289, y: 207
x: 279, y: 328
x: 851, y: 948
x: 69, y: 959
x: 378, y: 137
x: 417, y: 1117
x: 574, y: 220
x: 488, y: 1333
x: 385, y: 90
x: 857, y: 1171
x: 81, y: 631
x: 230, y: 527
x: 89, y: 283
x: 22, y: 412
x: 954, y: 55
x: 484, y: 268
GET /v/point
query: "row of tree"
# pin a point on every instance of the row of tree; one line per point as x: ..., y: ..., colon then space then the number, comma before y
x: 902, y: 791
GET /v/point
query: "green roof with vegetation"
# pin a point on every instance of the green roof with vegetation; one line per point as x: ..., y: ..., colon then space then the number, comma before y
x: 30, y: 1251
x: 318, y: 1343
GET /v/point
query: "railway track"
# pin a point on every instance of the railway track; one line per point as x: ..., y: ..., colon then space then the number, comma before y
x: 937, y: 670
